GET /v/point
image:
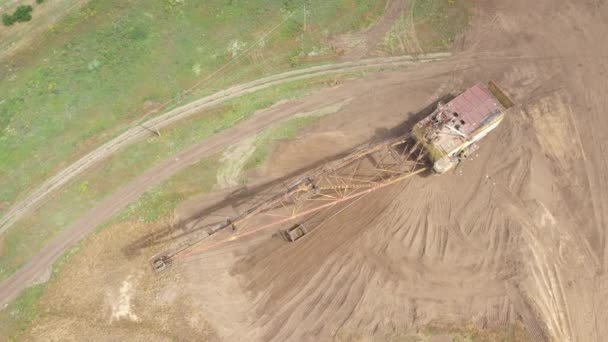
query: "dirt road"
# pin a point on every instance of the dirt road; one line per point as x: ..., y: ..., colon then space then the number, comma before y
x: 145, y: 128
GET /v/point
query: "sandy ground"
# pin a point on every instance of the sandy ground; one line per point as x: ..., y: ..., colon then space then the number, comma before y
x: 514, y: 236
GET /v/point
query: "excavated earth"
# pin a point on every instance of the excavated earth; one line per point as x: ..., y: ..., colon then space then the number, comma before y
x: 514, y: 237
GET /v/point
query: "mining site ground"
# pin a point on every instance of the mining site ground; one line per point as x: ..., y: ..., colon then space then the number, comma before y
x: 509, y: 246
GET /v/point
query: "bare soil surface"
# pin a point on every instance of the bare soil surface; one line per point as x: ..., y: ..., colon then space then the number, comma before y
x: 515, y: 236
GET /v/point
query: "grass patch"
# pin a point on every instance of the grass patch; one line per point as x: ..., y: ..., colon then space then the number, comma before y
x: 288, y: 130
x: 395, y: 42
x: 438, y: 22
x: 107, y: 64
x: 162, y: 200
x: 469, y: 332
x: 428, y: 25
x: 449, y: 331
x: 201, y: 177
x: 264, y: 143
x: 63, y: 207
x: 20, y: 313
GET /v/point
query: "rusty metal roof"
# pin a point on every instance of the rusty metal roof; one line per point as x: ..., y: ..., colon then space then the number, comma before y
x: 453, y: 124
x: 473, y: 107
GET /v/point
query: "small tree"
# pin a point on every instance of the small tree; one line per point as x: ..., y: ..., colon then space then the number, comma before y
x: 39, y: 1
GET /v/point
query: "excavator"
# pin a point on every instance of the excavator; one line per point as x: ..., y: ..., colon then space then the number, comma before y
x: 437, y: 143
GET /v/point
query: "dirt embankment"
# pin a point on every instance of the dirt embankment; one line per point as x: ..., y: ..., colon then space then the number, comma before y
x: 516, y: 235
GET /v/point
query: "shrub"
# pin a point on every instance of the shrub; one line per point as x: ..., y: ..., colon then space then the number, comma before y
x: 7, y: 19
x: 39, y: 1
x: 22, y: 13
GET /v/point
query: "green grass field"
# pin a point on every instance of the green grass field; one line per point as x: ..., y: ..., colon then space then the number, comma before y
x: 106, y: 65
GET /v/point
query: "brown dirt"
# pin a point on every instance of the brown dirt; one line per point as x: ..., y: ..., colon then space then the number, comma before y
x: 516, y: 235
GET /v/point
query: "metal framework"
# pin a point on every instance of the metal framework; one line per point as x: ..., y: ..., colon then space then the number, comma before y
x: 294, y: 202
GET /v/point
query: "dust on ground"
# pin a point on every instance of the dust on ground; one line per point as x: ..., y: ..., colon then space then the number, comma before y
x: 513, y: 240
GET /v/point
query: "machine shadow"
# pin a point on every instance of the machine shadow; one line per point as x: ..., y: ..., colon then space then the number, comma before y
x: 180, y: 229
